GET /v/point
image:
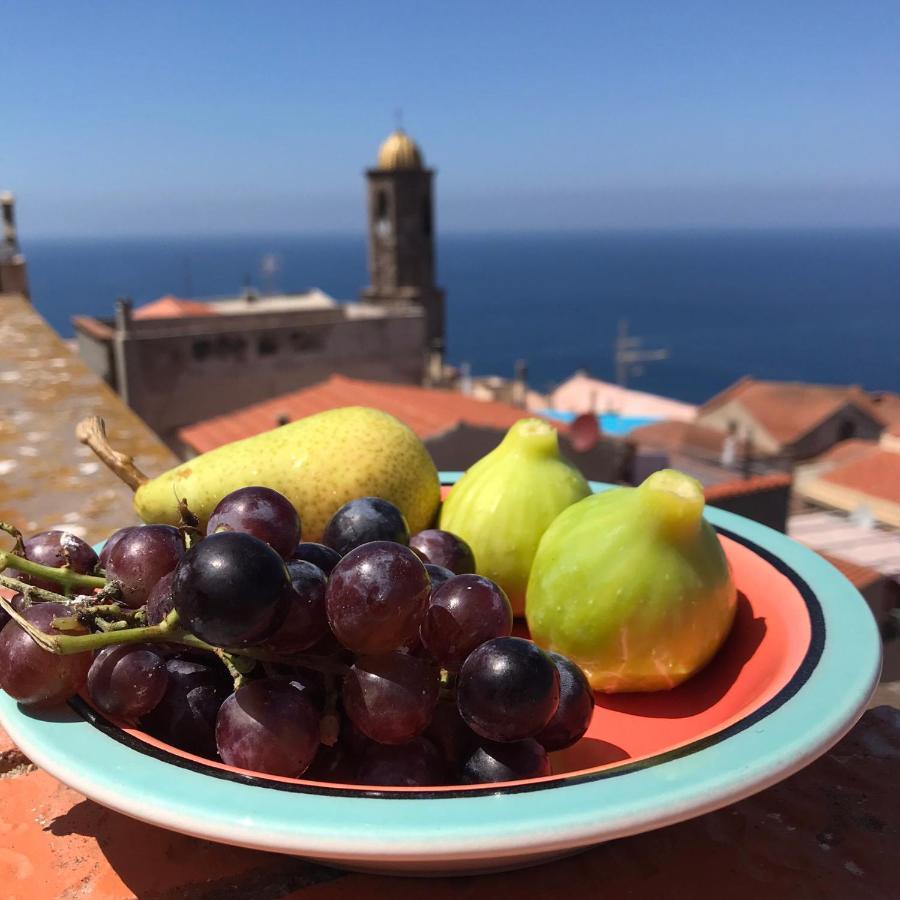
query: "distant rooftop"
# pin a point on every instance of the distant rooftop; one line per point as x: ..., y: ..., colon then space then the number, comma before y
x: 790, y: 410
x: 428, y: 411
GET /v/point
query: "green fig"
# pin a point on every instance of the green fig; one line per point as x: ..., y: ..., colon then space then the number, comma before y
x: 318, y: 463
x: 506, y: 500
x: 633, y: 585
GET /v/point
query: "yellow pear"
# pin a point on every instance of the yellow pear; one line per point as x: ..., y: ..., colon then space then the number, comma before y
x: 318, y: 463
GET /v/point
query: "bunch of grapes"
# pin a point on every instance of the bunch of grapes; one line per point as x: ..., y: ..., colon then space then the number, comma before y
x: 371, y: 658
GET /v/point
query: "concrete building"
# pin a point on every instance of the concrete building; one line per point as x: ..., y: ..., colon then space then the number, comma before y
x: 176, y: 362
x: 13, y: 271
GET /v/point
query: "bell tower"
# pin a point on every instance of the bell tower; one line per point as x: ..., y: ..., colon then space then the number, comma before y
x: 401, y: 234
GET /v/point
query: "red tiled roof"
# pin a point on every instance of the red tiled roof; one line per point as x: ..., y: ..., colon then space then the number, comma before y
x: 888, y: 406
x: 876, y: 474
x: 671, y: 435
x: 859, y: 576
x: 427, y: 411
x: 754, y: 485
x: 170, y: 307
x: 789, y: 410
x: 94, y: 327
x: 845, y: 451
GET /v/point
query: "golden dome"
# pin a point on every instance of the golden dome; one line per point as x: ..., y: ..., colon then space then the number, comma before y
x: 399, y: 151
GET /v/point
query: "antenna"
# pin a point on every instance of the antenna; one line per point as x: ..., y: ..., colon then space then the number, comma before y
x: 629, y: 354
x: 398, y: 117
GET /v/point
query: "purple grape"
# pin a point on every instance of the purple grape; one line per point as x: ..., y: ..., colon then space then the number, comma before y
x: 230, y: 589
x: 363, y: 521
x: 441, y: 548
x: 414, y: 764
x: 318, y: 554
x: 56, y: 549
x: 391, y: 698
x: 334, y: 765
x: 161, y: 600
x: 447, y: 731
x: 508, y: 689
x: 127, y: 681
x: 141, y: 557
x: 111, y: 542
x: 311, y: 683
x: 492, y: 762
x: 262, y: 512
x: 575, y: 710
x: 437, y: 574
x: 33, y: 676
x: 463, y: 613
x: 305, y: 623
x: 17, y: 602
x: 268, y: 726
x: 376, y: 597
x: 186, y: 715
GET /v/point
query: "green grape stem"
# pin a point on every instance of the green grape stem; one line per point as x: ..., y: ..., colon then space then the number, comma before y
x: 32, y: 593
x: 168, y: 631
x: 64, y: 576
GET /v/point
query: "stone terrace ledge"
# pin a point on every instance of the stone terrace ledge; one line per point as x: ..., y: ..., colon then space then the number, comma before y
x: 830, y: 831
x: 47, y: 479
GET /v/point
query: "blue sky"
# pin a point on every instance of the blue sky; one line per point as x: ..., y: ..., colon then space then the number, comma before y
x: 229, y: 117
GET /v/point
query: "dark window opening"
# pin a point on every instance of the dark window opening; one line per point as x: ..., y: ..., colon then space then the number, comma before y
x: 846, y: 430
x: 200, y: 350
x: 381, y: 206
x: 267, y: 345
x: 426, y: 216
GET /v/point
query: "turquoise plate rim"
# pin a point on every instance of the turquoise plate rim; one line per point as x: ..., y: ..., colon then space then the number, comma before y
x: 372, y: 828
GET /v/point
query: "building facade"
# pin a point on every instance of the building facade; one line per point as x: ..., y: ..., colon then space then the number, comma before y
x: 176, y: 362
x: 13, y: 271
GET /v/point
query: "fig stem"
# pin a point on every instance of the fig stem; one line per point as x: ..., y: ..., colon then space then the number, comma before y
x: 66, y: 577
x: 92, y: 431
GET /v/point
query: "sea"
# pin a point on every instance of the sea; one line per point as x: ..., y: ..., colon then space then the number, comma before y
x: 819, y: 305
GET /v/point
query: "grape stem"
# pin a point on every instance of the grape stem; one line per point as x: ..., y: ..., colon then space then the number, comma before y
x: 32, y: 593
x: 92, y: 431
x: 64, y: 576
x: 168, y: 631
x: 16, y: 535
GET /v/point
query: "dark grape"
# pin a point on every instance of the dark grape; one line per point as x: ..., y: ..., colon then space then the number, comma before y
x: 508, y: 689
x: 391, y: 698
x: 268, y: 726
x: 492, y: 762
x: 17, y: 602
x: 318, y: 554
x: 141, y: 557
x: 56, y: 549
x: 186, y: 715
x: 230, y: 589
x: 376, y: 597
x: 363, y: 521
x: 33, y: 676
x: 305, y: 623
x: 127, y: 681
x: 463, y: 613
x: 333, y: 764
x: 437, y: 574
x: 576, y: 707
x: 161, y: 600
x: 310, y: 682
x: 414, y: 764
x: 262, y: 512
x: 450, y: 734
x: 441, y: 548
x: 111, y: 542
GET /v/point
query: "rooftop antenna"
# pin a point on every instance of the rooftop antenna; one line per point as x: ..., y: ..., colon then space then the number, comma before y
x: 398, y: 117
x: 629, y: 354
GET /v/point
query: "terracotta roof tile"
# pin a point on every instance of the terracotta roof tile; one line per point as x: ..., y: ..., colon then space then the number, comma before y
x: 789, y: 410
x: 877, y: 474
x: 845, y: 451
x: 427, y: 411
x: 754, y: 485
x: 173, y: 308
x: 672, y: 435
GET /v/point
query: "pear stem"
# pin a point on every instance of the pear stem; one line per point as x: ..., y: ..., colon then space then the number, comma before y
x: 64, y: 576
x: 92, y: 431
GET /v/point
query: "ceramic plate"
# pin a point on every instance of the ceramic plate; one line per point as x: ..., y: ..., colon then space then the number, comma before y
x: 795, y: 674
